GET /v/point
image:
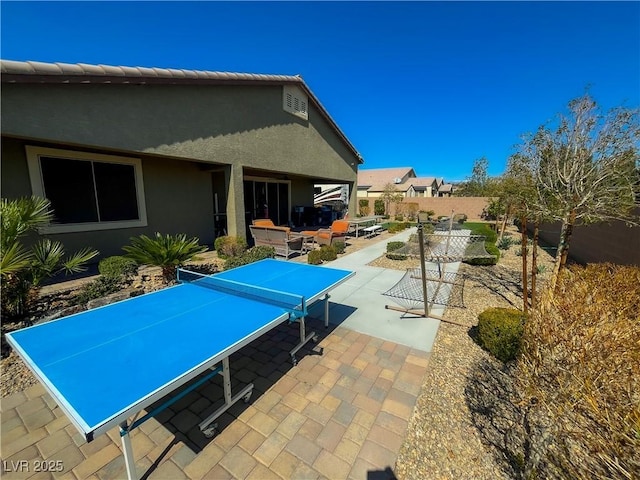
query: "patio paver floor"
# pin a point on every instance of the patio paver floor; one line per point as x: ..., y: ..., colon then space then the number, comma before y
x: 341, y: 414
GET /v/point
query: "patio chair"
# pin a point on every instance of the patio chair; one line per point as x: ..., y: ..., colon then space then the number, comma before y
x: 326, y: 236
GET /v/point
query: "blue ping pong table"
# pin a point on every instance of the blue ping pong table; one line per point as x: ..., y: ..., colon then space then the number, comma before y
x: 105, y: 366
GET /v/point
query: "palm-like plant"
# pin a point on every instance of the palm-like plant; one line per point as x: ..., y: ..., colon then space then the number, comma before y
x: 165, y: 251
x: 22, y: 270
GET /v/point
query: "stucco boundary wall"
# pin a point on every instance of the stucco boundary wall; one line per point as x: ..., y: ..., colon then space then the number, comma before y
x: 614, y: 243
x: 443, y: 206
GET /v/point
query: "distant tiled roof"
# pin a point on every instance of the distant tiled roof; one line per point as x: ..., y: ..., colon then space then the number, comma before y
x: 380, y: 177
x: 420, y: 181
x: 447, y: 187
x: 40, y: 72
x: 400, y: 187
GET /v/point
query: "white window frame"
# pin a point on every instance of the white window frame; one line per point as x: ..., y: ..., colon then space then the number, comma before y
x: 37, y: 187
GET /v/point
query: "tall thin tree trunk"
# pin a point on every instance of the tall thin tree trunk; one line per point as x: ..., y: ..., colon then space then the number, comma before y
x: 563, y: 249
x: 534, y: 263
x: 504, y: 223
x: 525, y: 279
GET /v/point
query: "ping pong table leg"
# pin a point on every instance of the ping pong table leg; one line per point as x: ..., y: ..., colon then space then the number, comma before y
x: 326, y: 311
x: 207, y: 426
x: 127, y: 449
x: 304, y: 338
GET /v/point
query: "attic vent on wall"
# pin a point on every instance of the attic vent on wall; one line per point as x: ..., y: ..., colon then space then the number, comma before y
x: 295, y: 101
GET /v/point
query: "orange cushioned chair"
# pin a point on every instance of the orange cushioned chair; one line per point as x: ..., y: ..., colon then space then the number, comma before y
x: 326, y: 236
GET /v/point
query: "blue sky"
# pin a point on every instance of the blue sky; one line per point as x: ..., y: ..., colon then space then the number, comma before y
x: 431, y: 85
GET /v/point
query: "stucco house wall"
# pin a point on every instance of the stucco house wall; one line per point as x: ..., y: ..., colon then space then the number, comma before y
x: 183, y: 132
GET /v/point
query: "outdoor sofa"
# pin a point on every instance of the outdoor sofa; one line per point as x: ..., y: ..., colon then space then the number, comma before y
x: 264, y: 232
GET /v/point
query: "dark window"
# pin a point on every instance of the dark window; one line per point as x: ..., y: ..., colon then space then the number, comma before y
x: 82, y: 191
x: 116, y: 187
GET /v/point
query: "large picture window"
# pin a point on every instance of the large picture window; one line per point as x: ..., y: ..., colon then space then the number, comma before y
x: 88, y: 191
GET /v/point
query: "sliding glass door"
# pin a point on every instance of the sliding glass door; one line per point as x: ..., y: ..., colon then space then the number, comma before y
x: 266, y: 199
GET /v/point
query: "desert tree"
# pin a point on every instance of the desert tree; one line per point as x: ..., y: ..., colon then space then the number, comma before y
x: 390, y: 195
x: 586, y: 169
x: 519, y: 194
x: 478, y: 184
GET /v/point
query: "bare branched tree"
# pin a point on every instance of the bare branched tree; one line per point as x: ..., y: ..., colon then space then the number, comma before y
x: 586, y: 169
x: 391, y: 195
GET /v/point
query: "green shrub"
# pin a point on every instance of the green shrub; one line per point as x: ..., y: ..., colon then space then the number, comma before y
x: 392, y: 246
x: 118, y: 266
x: 395, y: 227
x: 505, y: 242
x: 260, y: 252
x: 500, y: 332
x: 314, y: 257
x: 396, y: 256
x: 479, y: 228
x: 399, y: 218
x: 328, y: 253
x: 98, y: 288
x: 491, y: 250
x: 25, y: 265
x: 428, y: 228
x: 460, y: 218
x: 228, y: 246
x: 254, y: 254
x: 165, y: 251
x: 340, y: 246
x: 378, y: 206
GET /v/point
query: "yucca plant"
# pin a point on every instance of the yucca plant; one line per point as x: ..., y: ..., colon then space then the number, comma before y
x: 22, y: 270
x: 165, y: 251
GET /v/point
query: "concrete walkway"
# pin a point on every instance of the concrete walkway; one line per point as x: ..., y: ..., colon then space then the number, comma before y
x: 341, y: 413
x: 359, y: 304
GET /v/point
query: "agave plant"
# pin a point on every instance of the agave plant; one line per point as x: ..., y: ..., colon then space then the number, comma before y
x: 22, y: 270
x: 165, y: 251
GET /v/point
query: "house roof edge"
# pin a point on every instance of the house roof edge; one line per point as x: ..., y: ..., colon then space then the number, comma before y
x: 12, y: 71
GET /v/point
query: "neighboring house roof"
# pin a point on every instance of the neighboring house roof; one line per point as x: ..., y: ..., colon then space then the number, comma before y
x: 40, y: 72
x: 418, y: 183
x: 447, y: 187
x: 380, y: 177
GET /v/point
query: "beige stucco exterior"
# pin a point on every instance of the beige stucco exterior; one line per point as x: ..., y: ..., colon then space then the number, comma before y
x: 192, y: 140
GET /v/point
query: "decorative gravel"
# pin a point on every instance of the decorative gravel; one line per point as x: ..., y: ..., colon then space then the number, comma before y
x: 446, y: 438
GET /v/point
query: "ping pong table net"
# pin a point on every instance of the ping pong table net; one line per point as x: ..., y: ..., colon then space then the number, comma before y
x: 294, y: 304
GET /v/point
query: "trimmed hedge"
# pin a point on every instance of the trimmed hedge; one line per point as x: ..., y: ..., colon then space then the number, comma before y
x: 340, y: 246
x: 314, y: 257
x: 228, y: 246
x: 393, y: 246
x: 328, y: 253
x: 491, y: 250
x: 500, y: 332
x: 254, y: 254
x: 118, y: 266
x: 100, y: 287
